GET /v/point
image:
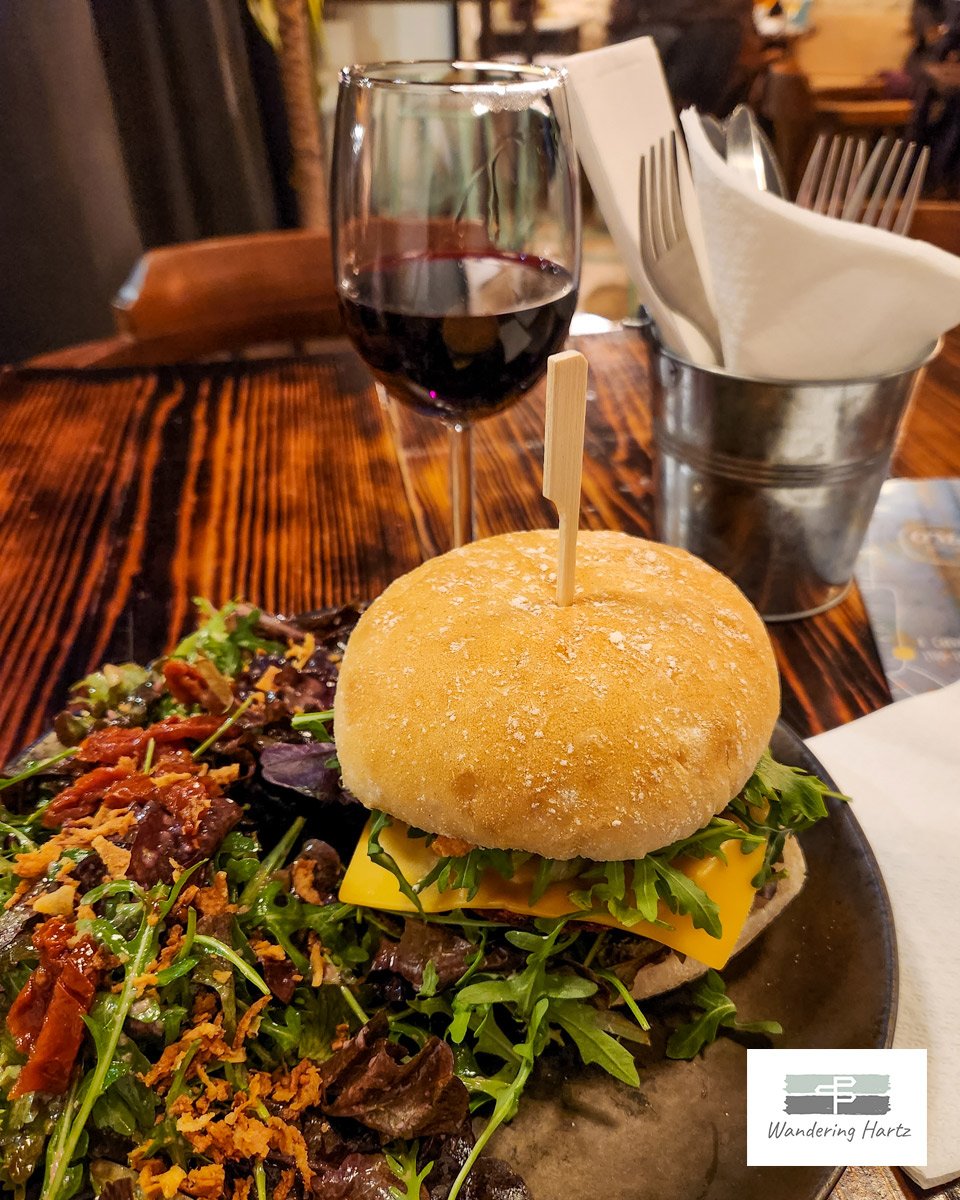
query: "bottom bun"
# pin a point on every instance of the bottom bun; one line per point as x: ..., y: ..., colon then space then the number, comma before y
x: 673, y: 971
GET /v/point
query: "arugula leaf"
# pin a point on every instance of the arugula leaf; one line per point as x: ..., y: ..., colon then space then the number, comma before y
x: 490, y: 1039
x: 214, y: 946
x: 428, y: 987
x: 582, y: 1023
x: 63, y: 1146
x: 718, y: 1012
x: 621, y: 1026
x: 183, y: 966
x: 505, y: 1093
x: 127, y: 1106
x: 402, y: 1161
x: 35, y: 768
x: 776, y: 802
x: 566, y: 996
x: 802, y: 796
x: 465, y: 873
x: 271, y: 863
x: 611, y: 885
x: 314, y: 723
x: 222, y: 729
x: 541, y: 881
x: 644, y: 888
x: 621, y: 989
x: 682, y: 895
x: 224, y: 636
x: 382, y: 858
x: 711, y: 839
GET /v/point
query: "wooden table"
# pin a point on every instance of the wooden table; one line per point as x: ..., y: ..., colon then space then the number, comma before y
x: 126, y: 493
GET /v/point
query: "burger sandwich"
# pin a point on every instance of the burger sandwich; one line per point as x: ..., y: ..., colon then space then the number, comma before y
x: 605, y: 761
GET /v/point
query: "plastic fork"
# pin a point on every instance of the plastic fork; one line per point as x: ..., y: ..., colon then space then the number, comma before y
x: 665, y: 247
x: 882, y: 190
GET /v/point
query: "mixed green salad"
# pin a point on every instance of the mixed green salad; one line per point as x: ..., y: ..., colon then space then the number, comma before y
x: 188, y: 1010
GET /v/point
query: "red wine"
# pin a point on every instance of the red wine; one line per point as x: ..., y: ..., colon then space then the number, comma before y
x: 459, y: 336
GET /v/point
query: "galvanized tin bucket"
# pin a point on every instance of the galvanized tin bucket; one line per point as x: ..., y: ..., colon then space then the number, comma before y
x: 772, y: 482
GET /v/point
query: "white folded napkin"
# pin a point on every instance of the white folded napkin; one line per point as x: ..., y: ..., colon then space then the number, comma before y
x: 620, y: 106
x: 901, y: 766
x: 803, y: 296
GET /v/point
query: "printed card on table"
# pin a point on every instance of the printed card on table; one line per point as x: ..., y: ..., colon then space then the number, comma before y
x: 909, y: 574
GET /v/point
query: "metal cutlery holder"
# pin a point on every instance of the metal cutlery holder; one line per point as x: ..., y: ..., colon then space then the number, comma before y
x: 772, y: 482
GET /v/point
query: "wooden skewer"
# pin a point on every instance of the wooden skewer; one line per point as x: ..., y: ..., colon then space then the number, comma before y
x: 563, y: 457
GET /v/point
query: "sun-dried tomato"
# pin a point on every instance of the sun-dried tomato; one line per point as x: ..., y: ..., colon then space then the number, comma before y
x: 53, y: 940
x: 25, y: 1017
x: 187, y: 800
x: 137, y: 789
x: 174, y: 758
x: 46, y: 1017
x: 50, y: 1065
x: 82, y: 798
x: 183, y: 729
x: 112, y: 743
x: 184, y: 682
x: 198, y: 683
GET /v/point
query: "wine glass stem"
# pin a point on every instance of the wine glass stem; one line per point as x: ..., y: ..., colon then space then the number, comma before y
x: 461, y: 482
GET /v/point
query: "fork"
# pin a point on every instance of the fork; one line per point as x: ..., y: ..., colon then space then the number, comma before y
x: 840, y: 181
x: 665, y: 247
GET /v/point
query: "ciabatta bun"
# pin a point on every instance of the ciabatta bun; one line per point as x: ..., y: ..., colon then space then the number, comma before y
x: 469, y: 704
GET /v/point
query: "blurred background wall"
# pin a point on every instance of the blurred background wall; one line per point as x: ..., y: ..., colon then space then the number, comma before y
x: 126, y: 124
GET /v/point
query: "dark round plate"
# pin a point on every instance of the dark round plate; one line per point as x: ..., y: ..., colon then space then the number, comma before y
x: 826, y: 969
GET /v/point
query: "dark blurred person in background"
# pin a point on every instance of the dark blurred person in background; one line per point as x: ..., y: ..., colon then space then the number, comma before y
x: 936, y: 113
x: 700, y: 42
x: 927, y: 18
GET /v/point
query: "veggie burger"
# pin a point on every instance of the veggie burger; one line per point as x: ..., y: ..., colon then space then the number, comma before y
x: 605, y: 760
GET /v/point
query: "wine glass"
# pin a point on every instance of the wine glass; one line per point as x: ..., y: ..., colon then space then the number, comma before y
x: 456, y: 237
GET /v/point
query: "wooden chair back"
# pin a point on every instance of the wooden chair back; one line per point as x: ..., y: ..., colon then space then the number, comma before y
x: 217, y: 296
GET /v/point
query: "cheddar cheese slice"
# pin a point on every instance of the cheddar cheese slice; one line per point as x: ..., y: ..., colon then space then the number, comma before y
x: 728, y: 884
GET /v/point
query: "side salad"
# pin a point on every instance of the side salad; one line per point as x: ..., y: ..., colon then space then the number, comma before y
x: 188, y: 1010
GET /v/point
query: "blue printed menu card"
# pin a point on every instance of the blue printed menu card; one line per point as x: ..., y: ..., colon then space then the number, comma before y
x: 909, y: 574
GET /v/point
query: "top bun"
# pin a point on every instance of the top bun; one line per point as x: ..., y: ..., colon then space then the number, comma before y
x: 469, y: 704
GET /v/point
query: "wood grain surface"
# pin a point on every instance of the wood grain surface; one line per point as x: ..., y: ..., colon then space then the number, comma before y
x: 123, y: 494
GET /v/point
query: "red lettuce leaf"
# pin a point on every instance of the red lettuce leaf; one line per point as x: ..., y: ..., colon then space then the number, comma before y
x: 419, y: 944
x: 303, y: 767
x: 369, y: 1081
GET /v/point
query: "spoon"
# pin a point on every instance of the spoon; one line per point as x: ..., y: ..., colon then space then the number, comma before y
x: 749, y: 152
x: 716, y: 134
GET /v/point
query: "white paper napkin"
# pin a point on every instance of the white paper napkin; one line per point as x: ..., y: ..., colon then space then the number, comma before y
x: 901, y: 766
x: 620, y: 106
x: 802, y: 296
